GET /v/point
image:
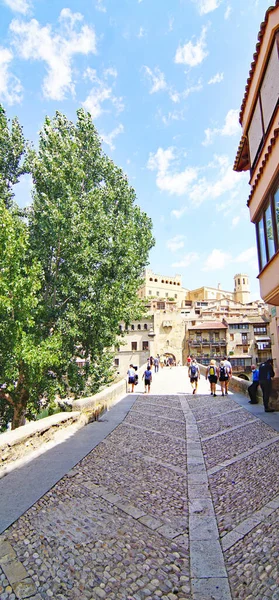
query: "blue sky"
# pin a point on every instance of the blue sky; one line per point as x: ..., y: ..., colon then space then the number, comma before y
x: 163, y: 81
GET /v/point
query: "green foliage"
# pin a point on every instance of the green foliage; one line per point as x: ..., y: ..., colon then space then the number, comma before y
x: 71, y: 273
x: 12, y: 148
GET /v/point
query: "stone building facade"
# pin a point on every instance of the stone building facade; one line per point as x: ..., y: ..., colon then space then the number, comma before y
x: 199, y: 326
x: 258, y: 152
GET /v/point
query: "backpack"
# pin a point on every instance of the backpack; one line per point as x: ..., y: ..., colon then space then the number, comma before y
x: 193, y: 371
x: 212, y: 370
x: 223, y: 372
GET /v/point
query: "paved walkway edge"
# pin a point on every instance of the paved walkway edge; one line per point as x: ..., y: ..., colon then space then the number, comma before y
x: 21, y: 488
x: 208, y: 573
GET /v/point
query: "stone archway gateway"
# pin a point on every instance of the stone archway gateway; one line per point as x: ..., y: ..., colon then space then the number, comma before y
x: 169, y: 358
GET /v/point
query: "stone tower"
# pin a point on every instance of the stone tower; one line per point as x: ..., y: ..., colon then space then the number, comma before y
x: 241, y: 288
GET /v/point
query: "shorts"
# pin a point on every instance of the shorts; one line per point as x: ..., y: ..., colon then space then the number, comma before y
x: 131, y: 380
x: 193, y: 379
x: 147, y: 382
x: 223, y: 379
x: 212, y: 378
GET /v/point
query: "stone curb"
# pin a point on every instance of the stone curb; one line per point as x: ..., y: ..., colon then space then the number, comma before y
x: 208, y: 573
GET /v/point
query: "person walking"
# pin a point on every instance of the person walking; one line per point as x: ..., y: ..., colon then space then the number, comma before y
x: 156, y: 364
x: 211, y: 375
x: 252, y: 389
x: 194, y: 374
x: 227, y: 364
x: 131, y: 377
x: 223, y: 375
x: 266, y: 373
x: 147, y: 376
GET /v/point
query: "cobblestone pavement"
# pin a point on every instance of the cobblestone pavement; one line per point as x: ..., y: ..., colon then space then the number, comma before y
x: 180, y: 501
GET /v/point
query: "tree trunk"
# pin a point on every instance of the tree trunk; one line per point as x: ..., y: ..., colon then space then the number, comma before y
x: 21, y: 399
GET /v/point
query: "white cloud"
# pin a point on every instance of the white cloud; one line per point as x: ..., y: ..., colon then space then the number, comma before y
x: 10, y: 86
x: 176, y: 97
x: 109, y: 137
x: 207, y: 6
x: 171, y: 22
x: 141, y: 33
x: 34, y: 42
x: 157, y: 79
x: 235, y: 221
x: 228, y: 12
x: 248, y: 257
x: 186, y: 261
x: 176, y: 243
x: 192, y: 54
x: 206, y: 189
x: 168, y: 180
x: 231, y: 127
x: 216, y: 79
x: 101, y: 92
x: 100, y: 6
x: 21, y: 6
x: 216, y: 260
x: 178, y: 213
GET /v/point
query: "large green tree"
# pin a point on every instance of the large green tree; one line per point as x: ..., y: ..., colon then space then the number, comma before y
x: 84, y: 247
x: 12, y: 148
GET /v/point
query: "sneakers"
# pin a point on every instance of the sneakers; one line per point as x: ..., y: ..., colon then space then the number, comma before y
x: 194, y: 391
x: 269, y: 410
x: 214, y: 395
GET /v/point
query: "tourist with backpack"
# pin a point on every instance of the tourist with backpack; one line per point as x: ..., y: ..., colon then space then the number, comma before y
x: 266, y: 373
x: 223, y: 375
x: 211, y: 375
x: 194, y: 374
x: 227, y: 364
x: 131, y: 377
x: 147, y: 376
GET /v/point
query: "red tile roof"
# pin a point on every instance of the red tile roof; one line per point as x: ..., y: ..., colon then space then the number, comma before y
x: 255, y: 57
x: 212, y: 325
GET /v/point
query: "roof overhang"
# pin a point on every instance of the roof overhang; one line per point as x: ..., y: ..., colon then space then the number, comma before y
x: 242, y: 159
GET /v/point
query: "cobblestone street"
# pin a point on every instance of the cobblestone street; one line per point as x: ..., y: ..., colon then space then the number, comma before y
x: 179, y: 501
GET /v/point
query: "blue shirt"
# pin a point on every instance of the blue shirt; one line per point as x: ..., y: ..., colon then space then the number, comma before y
x: 255, y: 375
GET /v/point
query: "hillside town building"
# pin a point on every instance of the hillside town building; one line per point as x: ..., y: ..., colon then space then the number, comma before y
x: 207, y: 323
x: 258, y: 152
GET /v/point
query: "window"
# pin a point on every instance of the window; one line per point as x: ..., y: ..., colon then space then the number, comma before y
x: 150, y: 278
x: 158, y: 293
x: 139, y: 326
x: 145, y: 326
x: 134, y: 346
x: 267, y: 229
x: 132, y: 327
x: 276, y: 207
x: 150, y: 292
x: 145, y: 345
x: 175, y: 295
x: 260, y: 329
x: 269, y: 232
x: 265, y: 106
x: 231, y: 337
x: 161, y: 305
x: 116, y: 362
x: 238, y: 281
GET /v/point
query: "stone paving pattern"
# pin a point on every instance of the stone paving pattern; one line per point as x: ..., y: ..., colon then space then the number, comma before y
x: 144, y: 516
